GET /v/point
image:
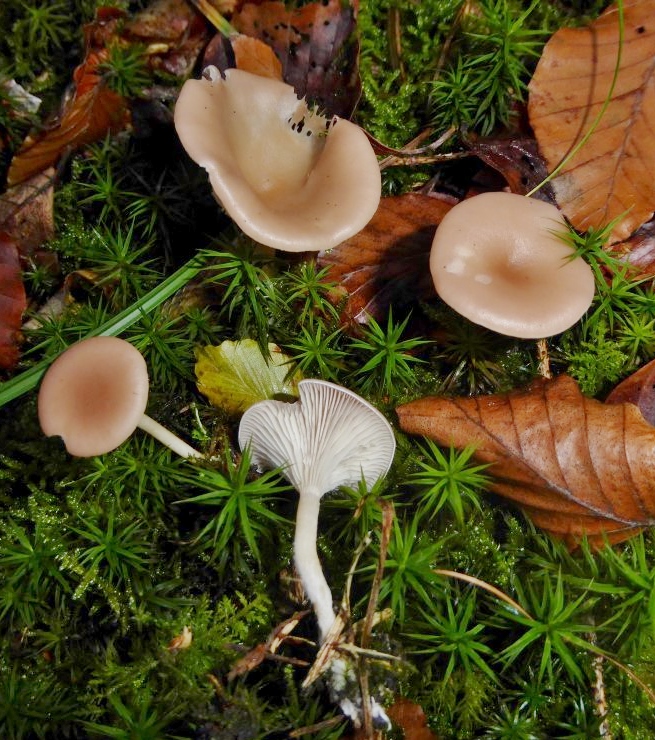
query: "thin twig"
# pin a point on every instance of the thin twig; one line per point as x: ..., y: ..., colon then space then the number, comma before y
x: 544, y: 359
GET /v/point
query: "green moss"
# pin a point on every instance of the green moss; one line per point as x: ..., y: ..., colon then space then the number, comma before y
x: 103, y: 562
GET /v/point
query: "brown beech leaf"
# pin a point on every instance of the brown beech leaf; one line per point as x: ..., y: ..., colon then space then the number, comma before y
x: 638, y: 388
x: 173, y: 32
x: 27, y: 212
x: 317, y: 46
x: 93, y: 110
x: 611, y: 175
x: 517, y: 160
x: 243, y: 52
x: 388, y: 261
x: 576, y: 466
x: 411, y: 718
x: 12, y: 302
x: 638, y: 251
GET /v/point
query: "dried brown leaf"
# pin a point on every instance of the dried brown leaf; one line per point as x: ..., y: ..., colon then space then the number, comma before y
x: 576, y: 466
x: 12, y: 302
x: 411, y: 718
x: 27, y: 212
x: 638, y: 388
x: 611, y: 176
x: 317, y: 46
x: 388, y: 261
x: 516, y: 159
x: 93, y: 111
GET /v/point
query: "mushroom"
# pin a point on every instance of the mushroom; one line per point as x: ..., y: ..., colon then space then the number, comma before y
x: 290, y: 178
x: 499, y: 260
x: 94, y: 396
x: 329, y: 438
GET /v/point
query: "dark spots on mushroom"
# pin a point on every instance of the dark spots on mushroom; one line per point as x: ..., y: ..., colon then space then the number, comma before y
x: 326, y: 23
x: 300, y: 125
x: 309, y: 133
x: 641, y: 29
x: 293, y: 50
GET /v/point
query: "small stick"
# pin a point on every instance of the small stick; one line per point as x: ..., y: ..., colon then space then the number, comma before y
x: 544, y: 359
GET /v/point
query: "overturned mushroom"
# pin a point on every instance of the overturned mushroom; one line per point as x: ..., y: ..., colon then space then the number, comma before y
x: 497, y: 259
x: 290, y: 178
x: 330, y: 438
x: 94, y: 396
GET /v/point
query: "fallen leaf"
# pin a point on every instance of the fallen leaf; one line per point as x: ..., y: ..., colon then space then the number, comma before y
x: 235, y: 375
x: 92, y: 112
x: 639, y: 251
x: 243, y: 52
x: 280, y: 634
x: 27, y: 212
x: 411, y: 719
x: 638, y: 388
x: 12, y: 302
x: 611, y: 175
x: 317, y: 46
x: 388, y: 261
x: 172, y: 31
x: 517, y: 160
x: 180, y: 642
x: 576, y: 466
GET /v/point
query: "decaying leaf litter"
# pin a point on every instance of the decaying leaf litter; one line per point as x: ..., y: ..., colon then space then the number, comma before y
x: 364, y: 315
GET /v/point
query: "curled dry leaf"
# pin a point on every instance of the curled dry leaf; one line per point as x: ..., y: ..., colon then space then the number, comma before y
x: 245, y: 53
x: 576, y: 466
x: 27, y: 212
x: 638, y: 388
x: 317, y: 46
x: 611, y: 175
x: 388, y: 261
x: 12, y: 302
x: 89, y: 114
x: 411, y: 718
x: 173, y: 33
x: 517, y: 160
x: 180, y: 642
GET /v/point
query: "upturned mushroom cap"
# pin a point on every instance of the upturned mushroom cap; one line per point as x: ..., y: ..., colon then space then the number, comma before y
x: 93, y: 395
x: 329, y: 438
x: 289, y: 178
x: 497, y: 260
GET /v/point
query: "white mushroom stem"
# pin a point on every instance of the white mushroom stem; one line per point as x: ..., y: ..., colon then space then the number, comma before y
x: 307, y: 563
x: 166, y: 437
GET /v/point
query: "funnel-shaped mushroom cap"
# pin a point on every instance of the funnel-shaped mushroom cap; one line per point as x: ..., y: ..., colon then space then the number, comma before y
x: 290, y: 178
x: 330, y: 438
x: 94, y: 395
x: 497, y: 260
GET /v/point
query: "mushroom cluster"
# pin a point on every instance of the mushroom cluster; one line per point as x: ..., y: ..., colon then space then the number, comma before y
x: 499, y: 260
x: 329, y: 438
x: 94, y: 396
x: 290, y: 178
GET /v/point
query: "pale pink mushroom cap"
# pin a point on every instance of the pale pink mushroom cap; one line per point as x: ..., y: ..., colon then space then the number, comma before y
x: 94, y: 395
x: 497, y: 259
x: 288, y: 177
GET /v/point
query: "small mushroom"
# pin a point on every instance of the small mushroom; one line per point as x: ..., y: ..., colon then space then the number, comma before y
x: 329, y: 438
x: 498, y: 260
x: 290, y: 178
x: 94, y: 396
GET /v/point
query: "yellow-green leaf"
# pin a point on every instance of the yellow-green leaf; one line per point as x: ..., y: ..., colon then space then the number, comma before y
x: 235, y: 375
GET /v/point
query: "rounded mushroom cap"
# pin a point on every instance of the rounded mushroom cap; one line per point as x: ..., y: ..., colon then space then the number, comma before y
x: 93, y: 395
x: 329, y: 438
x: 497, y: 260
x: 289, y: 178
